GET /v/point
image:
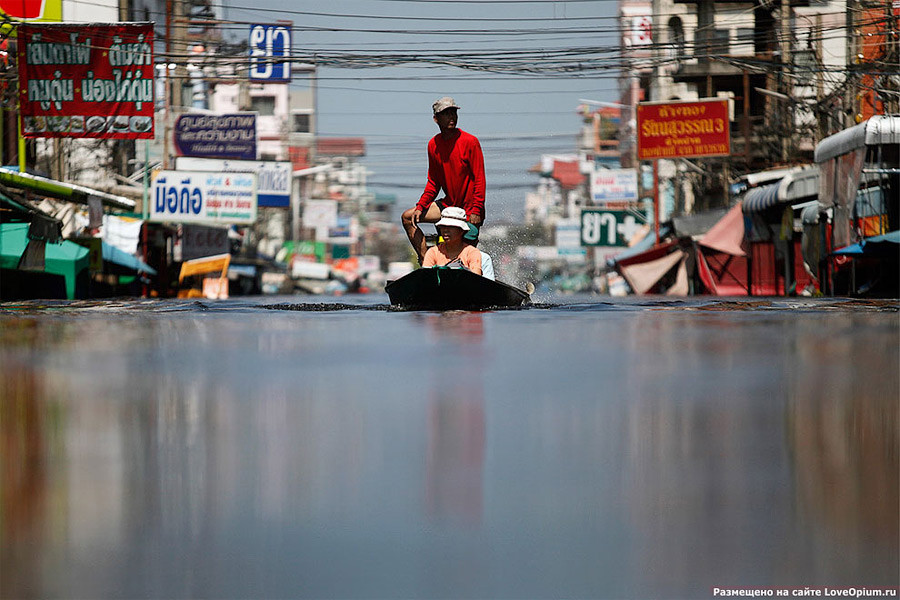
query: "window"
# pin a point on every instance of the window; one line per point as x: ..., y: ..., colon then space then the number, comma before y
x: 264, y: 105
x: 676, y: 36
x: 745, y: 35
x: 743, y: 42
x: 301, y: 123
x: 720, y: 41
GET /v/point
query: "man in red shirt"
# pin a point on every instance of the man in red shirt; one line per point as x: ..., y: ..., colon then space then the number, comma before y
x: 456, y: 167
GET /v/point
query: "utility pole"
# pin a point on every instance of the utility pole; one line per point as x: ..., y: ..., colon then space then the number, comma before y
x: 821, y: 116
x: 850, y: 82
x: 168, y: 84
x: 892, y: 57
x: 787, y: 81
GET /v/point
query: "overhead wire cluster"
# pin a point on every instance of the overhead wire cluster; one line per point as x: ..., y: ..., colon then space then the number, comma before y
x: 581, y: 41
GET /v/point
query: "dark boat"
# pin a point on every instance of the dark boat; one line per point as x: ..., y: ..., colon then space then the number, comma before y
x: 442, y: 288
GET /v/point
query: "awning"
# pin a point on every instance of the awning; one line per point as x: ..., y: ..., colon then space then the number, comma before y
x: 810, y: 214
x: 697, y: 224
x: 887, y: 244
x: 642, y: 246
x: 794, y: 185
x: 61, y: 190
x: 766, y: 176
x: 880, y: 129
x: 122, y: 259
x: 800, y: 184
x: 728, y: 234
x: 66, y: 258
x: 643, y: 276
x: 760, y: 198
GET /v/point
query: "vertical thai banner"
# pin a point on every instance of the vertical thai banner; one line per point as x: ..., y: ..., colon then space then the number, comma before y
x: 270, y: 53
x: 683, y: 129
x: 86, y: 81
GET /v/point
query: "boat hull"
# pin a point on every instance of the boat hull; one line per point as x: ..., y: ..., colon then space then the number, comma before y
x: 452, y: 289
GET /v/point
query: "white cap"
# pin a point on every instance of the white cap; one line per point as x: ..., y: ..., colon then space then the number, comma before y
x: 453, y: 216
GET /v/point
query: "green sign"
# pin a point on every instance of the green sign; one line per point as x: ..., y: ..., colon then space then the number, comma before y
x: 601, y: 227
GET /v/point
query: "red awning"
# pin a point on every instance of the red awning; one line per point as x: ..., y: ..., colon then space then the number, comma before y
x: 728, y: 234
x: 567, y: 174
x: 642, y: 277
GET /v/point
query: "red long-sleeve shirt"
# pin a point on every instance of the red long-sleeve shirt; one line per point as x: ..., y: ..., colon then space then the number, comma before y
x: 455, y: 165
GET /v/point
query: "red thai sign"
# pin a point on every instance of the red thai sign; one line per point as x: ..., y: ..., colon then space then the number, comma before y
x: 683, y: 129
x: 86, y: 81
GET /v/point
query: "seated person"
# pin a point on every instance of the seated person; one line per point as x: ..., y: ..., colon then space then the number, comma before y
x: 487, y: 264
x: 452, y: 250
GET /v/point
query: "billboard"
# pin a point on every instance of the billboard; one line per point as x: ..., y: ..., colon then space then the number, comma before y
x: 609, y: 227
x: 614, y: 185
x: 683, y: 129
x: 216, y: 136
x: 86, y: 81
x: 273, y: 177
x: 200, y: 197
x: 270, y: 45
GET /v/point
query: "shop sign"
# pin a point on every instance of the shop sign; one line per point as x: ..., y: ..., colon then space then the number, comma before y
x: 568, y: 237
x: 270, y: 45
x: 198, y: 241
x: 614, y: 185
x: 86, y: 81
x: 199, y: 197
x: 273, y: 177
x: 683, y: 129
x: 345, y: 231
x: 216, y: 136
x: 320, y: 213
x: 609, y: 227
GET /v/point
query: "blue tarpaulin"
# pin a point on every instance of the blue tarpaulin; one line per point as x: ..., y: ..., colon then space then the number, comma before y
x: 889, y: 243
x: 123, y: 259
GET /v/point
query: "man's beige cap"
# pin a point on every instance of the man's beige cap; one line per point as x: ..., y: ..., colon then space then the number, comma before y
x: 443, y: 104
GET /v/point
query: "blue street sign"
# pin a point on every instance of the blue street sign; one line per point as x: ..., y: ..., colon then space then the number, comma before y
x: 270, y: 53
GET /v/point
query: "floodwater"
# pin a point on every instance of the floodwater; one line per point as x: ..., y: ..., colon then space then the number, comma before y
x: 592, y: 448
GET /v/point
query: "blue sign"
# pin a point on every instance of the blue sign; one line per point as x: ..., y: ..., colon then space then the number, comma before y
x: 274, y: 185
x: 198, y: 197
x: 216, y: 136
x: 270, y: 53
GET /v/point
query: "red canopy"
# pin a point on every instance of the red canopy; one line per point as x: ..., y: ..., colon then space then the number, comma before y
x: 728, y: 234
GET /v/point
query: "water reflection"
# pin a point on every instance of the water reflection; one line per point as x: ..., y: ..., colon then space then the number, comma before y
x: 532, y: 454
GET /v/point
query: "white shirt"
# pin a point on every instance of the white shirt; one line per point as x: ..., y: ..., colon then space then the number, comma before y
x: 487, y: 265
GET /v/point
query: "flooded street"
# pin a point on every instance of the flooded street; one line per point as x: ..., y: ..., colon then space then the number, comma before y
x: 588, y: 448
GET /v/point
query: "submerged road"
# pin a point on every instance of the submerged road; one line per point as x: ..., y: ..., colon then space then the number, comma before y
x: 582, y: 448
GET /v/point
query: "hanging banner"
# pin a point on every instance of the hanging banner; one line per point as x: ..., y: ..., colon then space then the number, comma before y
x: 197, y: 197
x: 216, y: 136
x: 683, y: 129
x: 86, y: 81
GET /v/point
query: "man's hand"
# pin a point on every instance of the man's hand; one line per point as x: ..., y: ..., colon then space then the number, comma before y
x: 475, y: 220
x: 417, y: 214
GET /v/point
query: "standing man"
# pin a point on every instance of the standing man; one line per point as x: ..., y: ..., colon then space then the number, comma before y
x: 456, y: 167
